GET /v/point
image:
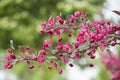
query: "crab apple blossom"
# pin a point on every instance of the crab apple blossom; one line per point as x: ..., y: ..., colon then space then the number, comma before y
x: 10, y: 50
x: 91, y: 65
x: 31, y: 66
x: 112, y: 64
x: 60, y: 71
x: 41, y: 59
x: 71, y: 65
x: 12, y: 56
x: 49, y: 67
x: 8, y: 66
x: 83, y: 38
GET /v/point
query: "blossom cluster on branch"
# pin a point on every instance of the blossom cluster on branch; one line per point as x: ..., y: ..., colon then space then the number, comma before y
x: 112, y: 64
x: 86, y: 37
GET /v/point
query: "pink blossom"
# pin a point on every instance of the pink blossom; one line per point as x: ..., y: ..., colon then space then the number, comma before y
x: 65, y: 59
x: 66, y: 47
x: 72, y: 19
x: 57, y: 31
x: 71, y: 65
x: 12, y: 56
x: 113, y: 43
x: 31, y: 66
x: 10, y: 50
x: 27, y: 47
x: 60, y: 54
x: 76, y: 44
x: 42, y: 52
x: 49, y: 67
x: 78, y: 14
x: 87, y: 37
x: 46, y: 44
x: 102, y: 22
x: 55, y: 65
x: 44, y: 25
x: 77, y: 56
x: 91, y: 51
x: 35, y: 58
x: 112, y: 64
x: 116, y: 75
x: 40, y: 59
x: 59, y: 47
x: 61, y: 21
x: 60, y: 71
x: 8, y: 66
x: 91, y: 65
x: 50, y: 31
x: 42, y: 31
x: 7, y: 58
x: 50, y: 23
x: 60, y: 40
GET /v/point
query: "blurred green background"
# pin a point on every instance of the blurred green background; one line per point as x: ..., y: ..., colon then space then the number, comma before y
x: 20, y: 21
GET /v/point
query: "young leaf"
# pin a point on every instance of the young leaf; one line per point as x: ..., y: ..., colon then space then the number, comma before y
x: 22, y: 50
x: 117, y: 12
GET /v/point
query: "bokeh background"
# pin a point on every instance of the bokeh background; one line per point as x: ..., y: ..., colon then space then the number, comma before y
x: 20, y: 21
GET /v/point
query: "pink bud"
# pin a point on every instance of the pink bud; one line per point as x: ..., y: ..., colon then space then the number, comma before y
x: 27, y: 47
x: 49, y: 67
x: 40, y: 59
x: 92, y: 56
x: 7, y: 59
x: 69, y: 53
x: 46, y: 44
x: 8, y: 66
x: 60, y: 40
x: 76, y: 55
x: 31, y: 66
x: 77, y: 14
x: 108, y: 23
x: 42, y: 52
x: 87, y: 14
x: 72, y: 19
x: 60, y: 71
x: 91, y: 51
x: 10, y: 50
x: 52, y: 61
x: 35, y: 58
x: 57, y: 31
x: 51, y: 23
x: 42, y: 31
x: 76, y: 44
x: 55, y: 65
x: 66, y: 47
x: 61, y: 21
x: 69, y: 35
x: 60, y: 54
x: 12, y: 56
x: 44, y: 25
x: 113, y: 43
x: 102, y: 22
x: 50, y: 32
x: 71, y: 65
x: 91, y: 65
x: 59, y: 47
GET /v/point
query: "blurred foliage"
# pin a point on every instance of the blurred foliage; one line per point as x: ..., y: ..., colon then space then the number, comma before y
x: 39, y: 72
x: 103, y: 73
x: 20, y: 19
x: 97, y: 2
x: 117, y: 49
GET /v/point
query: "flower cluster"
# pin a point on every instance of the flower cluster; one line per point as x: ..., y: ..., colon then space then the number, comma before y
x: 112, y: 64
x: 86, y: 35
